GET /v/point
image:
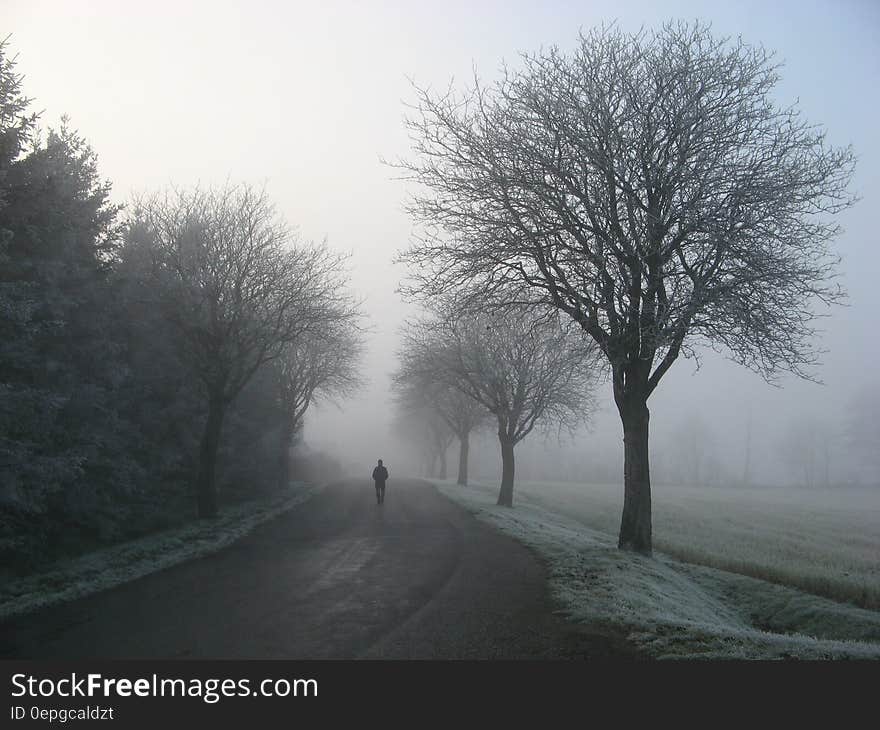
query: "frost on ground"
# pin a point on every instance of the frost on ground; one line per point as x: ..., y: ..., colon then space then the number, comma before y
x: 109, y: 567
x: 823, y: 541
x: 672, y: 609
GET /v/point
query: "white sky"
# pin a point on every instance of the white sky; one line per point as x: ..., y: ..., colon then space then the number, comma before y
x: 307, y: 96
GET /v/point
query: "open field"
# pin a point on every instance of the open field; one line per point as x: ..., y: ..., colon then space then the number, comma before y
x: 678, y: 609
x: 825, y: 542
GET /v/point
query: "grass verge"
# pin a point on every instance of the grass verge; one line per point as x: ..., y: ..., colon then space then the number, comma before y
x: 112, y: 566
x: 671, y: 609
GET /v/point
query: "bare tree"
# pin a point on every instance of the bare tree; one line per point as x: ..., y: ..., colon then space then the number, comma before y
x: 650, y: 188
x: 417, y: 419
x: 231, y: 278
x: 523, y: 369
x: 321, y: 364
x: 464, y: 416
x: 461, y: 413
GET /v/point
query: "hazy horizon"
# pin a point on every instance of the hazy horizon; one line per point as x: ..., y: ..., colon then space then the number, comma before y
x: 308, y: 99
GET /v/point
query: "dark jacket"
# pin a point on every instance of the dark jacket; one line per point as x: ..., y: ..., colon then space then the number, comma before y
x: 380, y: 473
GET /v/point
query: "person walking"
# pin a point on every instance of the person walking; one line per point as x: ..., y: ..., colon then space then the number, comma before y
x: 380, y: 475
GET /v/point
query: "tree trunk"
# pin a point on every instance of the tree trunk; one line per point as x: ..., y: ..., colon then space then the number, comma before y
x: 635, y: 524
x: 207, y: 489
x: 442, y: 455
x: 463, y: 451
x: 505, y: 495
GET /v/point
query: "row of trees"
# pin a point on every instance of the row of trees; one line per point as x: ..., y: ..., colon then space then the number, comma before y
x: 147, y: 354
x: 461, y: 370
x: 804, y: 451
x: 239, y: 293
x: 648, y: 188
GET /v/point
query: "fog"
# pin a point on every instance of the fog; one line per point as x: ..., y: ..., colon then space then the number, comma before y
x: 309, y: 98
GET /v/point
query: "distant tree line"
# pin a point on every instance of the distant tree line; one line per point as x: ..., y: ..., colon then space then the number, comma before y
x: 151, y: 357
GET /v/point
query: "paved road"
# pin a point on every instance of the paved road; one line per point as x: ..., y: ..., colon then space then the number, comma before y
x: 337, y: 577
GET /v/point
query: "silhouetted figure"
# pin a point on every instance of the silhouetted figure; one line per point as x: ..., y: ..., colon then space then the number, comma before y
x: 380, y: 474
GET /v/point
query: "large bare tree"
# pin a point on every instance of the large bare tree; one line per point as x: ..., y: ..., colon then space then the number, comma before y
x: 238, y: 287
x: 524, y: 370
x: 649, y: 187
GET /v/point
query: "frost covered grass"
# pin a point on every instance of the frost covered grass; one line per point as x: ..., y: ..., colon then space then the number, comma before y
x: 669, y: 608
x: 109, y: 567
x: 825, y: 542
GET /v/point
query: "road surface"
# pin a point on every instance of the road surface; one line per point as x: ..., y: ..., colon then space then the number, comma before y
x: 336, y: 577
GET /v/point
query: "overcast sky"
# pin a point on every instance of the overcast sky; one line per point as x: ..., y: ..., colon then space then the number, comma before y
x: 307, y: 96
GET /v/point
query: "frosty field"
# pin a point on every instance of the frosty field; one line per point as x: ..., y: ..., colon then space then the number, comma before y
x: 823, y: 541
x: 736, y: 573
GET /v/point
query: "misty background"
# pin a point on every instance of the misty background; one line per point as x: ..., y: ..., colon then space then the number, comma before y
x: 308, y: 99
